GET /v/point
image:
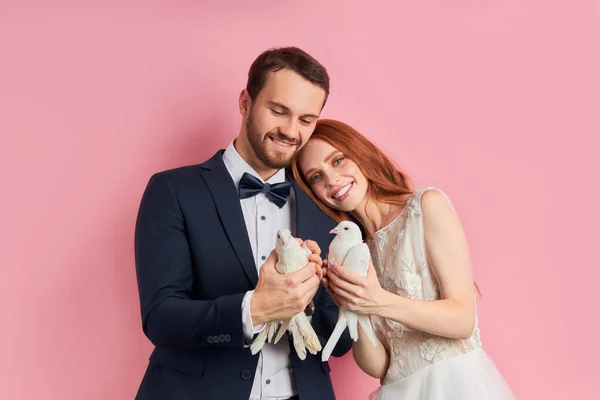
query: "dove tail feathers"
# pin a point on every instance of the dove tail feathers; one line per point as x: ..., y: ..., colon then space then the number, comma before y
x: 266, y: 335
x: 352, y: 321
x: 282, y: 330
x: 310, y: 338
x: 272, y: 330
x: 335, y: 336
x: 259, y: 342
x: 365, y: 324
x: 298, y: 341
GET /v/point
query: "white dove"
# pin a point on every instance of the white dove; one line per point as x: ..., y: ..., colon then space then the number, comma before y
x: 291, y: 257
x: 349, y: 251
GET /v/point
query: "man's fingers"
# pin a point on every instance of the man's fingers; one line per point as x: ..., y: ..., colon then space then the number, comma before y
x: 311, y: 295
x: 313, y: 246
x: 319, y: 264
x: 315, y: 258
x: 319, y: 271
x: 310, y: 284
x: 303, y: 274
x: 310, y: 287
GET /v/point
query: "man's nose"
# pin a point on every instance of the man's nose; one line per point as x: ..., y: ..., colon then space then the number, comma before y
x: 290, y: 129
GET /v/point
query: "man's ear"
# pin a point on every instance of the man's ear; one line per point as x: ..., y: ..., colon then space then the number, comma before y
x: 245, y: 103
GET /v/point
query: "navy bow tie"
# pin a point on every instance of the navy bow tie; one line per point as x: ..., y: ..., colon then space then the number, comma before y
x: 277, y: 193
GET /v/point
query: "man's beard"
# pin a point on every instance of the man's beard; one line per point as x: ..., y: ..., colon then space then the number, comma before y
x: 258, y: 142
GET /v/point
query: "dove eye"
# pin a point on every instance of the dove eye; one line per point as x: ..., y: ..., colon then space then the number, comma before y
x: 346, y: 228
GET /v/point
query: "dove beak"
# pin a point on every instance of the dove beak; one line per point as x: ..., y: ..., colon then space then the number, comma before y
x: 333, y: 231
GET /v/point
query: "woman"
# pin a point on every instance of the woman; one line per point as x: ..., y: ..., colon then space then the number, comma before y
x: 419, y: 289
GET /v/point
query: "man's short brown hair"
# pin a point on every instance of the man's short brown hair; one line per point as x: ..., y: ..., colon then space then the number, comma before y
x: 291, y: 58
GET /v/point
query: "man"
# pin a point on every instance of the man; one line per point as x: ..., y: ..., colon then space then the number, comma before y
x: 203, y: 230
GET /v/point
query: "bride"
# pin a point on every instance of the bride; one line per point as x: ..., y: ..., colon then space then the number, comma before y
x: 419, y: 289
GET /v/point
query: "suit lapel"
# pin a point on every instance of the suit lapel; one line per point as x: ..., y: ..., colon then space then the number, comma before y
x: 228, y: 206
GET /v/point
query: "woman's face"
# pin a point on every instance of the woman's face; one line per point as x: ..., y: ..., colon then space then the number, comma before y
x: 333, y: 178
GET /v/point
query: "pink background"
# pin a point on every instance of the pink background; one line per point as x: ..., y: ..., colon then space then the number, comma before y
x: 496, y: 102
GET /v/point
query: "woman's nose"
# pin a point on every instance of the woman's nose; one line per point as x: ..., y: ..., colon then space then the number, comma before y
x: 332, y: 179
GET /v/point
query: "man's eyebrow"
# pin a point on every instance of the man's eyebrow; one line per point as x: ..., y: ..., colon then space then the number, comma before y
x: 283, y: 107
x: 279, y: 105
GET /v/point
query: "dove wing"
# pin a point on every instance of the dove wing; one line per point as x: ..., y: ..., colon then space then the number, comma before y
x: 358, y: 258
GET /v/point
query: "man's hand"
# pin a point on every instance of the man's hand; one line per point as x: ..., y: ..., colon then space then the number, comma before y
x: 315, y: 256
x: 281, y: 296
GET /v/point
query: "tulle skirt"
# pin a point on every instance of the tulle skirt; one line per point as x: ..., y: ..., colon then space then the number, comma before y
x: 471, y: 376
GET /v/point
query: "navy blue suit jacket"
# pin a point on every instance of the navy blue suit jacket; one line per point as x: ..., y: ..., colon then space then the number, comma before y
x: 194, y: 264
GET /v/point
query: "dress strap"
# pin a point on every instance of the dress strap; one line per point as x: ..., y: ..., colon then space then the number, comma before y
x: 416, y: 222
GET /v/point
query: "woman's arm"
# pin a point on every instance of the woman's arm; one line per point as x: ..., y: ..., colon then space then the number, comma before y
x: 447, y: 251
x: 374, y: 361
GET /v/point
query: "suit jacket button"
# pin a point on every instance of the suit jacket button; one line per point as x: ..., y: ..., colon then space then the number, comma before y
x: 210, y: 339
x: 227, y: 338
x: 222, y: 338
x: 246, y: 374
x: 216, y: 339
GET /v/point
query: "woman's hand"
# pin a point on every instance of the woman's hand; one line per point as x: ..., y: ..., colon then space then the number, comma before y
x: 360, y: 294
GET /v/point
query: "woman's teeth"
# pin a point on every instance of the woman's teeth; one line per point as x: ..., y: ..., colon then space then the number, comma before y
x: 342, y: 191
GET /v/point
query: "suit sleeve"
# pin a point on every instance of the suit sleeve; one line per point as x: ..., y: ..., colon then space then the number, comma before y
x: 324, y: 320
x: 164, y: 275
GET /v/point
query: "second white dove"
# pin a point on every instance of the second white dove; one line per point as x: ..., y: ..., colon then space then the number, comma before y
x: 349, y: 251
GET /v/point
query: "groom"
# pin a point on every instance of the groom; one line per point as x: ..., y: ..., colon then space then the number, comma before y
x: 203, y: 233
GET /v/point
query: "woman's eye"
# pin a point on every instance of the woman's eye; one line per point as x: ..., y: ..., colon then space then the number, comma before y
x: 314, y: 178
x: 338, y: 160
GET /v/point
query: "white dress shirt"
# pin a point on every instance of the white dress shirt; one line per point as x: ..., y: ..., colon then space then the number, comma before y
x: 274, y: 375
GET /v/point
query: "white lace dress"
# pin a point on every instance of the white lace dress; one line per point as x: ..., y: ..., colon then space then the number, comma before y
x: 424, y: 366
